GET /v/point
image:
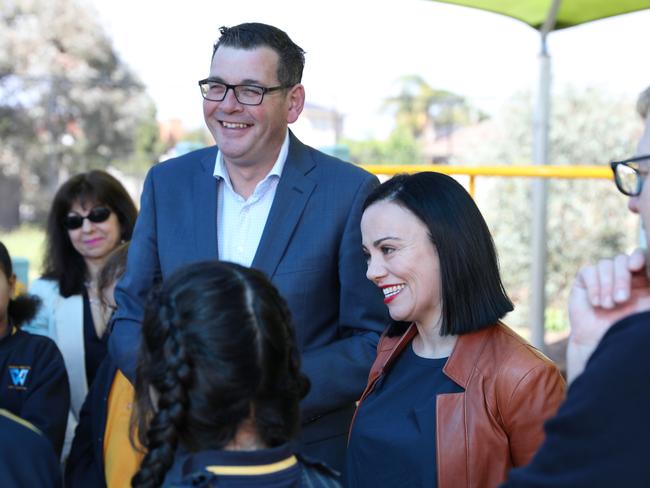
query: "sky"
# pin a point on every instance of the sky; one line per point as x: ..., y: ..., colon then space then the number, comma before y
x: 357, y: 50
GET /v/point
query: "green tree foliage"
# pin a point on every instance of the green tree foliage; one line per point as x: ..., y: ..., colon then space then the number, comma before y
x: 67, y: 102
x: 418, y: 109
x: 200, y: 135
x: 400, y: 148
x: 587, y: 219
x: 418, y: 106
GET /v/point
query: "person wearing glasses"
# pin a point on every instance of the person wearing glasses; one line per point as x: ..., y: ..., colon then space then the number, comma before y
x: 263, y: 199
x: 599, y: 436
x: 91, y: 214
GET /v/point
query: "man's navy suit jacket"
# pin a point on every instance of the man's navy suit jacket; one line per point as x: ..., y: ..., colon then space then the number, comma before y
x: 310, y: 249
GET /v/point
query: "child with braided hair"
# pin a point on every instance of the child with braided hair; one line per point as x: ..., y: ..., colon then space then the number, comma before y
x: 218, y: 384
x: 33, y: 380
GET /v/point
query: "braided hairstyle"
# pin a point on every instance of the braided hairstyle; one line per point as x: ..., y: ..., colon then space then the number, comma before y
x: 217, y: 350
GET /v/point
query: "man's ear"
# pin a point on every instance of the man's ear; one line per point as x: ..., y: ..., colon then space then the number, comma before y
x: 296, y: 102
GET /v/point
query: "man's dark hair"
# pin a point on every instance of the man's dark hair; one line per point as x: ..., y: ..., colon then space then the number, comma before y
x: 473, y: 296
x: 253, y: 35
x: 218, y: 348
x: 62, y: 262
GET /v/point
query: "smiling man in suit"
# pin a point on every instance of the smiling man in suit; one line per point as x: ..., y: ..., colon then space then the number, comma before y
x: 263, y: 199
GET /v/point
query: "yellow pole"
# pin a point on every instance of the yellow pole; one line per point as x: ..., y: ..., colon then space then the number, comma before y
x: 526, y: 171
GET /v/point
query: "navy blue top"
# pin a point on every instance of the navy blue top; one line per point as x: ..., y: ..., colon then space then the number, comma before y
x: 85, y: 464
x: 95, y: 347
x: 271, y: 468
x: 393, y: 441
x: 34, y: 383
x: 599, y: 437
x: 27, y: 458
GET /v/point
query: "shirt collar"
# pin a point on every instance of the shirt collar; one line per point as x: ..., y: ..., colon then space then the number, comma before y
x: 221, y: 173
x: 264, y: 461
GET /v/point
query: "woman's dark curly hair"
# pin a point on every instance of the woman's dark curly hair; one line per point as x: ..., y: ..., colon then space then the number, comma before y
x: 218, y: 349
x: 62, y: 262
x: 23, y: 308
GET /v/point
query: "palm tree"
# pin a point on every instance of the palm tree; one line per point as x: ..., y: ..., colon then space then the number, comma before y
x: 419, y: 106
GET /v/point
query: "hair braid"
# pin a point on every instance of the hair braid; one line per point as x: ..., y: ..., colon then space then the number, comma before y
x: 219, y: 350
x: 277, y: 412
x: 171, y: 383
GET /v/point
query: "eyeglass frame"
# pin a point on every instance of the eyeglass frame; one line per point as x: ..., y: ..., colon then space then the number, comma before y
x: 626, y: 163
x: 229, y: 87
x: 92, y: 217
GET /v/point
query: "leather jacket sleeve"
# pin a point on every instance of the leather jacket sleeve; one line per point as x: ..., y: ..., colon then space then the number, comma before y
x: 526, y: 400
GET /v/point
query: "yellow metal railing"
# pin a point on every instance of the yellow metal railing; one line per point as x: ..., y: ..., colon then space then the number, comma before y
x: 529, y: 171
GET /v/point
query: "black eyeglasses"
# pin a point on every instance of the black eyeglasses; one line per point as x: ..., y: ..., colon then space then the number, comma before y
x: 96, y: 215
x: 215, y: 91
x: 628, y: 176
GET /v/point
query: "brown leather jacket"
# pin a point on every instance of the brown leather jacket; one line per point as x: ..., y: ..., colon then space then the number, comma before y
x: 497, y: 423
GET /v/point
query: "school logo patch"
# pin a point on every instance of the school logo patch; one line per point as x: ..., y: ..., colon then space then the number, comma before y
x: 18, y: 376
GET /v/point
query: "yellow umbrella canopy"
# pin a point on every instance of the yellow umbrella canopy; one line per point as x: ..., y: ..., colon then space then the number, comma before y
x: 569, y: 12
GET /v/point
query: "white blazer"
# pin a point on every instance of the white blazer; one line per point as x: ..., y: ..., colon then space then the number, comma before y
x: 61, y: 319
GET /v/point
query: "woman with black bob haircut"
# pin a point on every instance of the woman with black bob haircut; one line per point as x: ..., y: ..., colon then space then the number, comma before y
x: 91, y: 214
x: 218, y: 384
x: 454, y: 398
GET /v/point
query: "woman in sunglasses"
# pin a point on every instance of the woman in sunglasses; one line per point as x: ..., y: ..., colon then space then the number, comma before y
x: 90, y: 216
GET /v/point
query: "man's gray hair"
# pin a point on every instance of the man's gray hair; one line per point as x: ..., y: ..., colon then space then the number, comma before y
x: 643, y: 103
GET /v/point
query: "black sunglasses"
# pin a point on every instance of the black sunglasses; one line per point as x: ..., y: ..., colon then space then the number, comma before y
x: 96, y: 215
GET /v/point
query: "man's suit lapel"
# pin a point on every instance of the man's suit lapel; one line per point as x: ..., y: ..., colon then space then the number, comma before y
x: 204, y: 209
x: 294, y: 189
